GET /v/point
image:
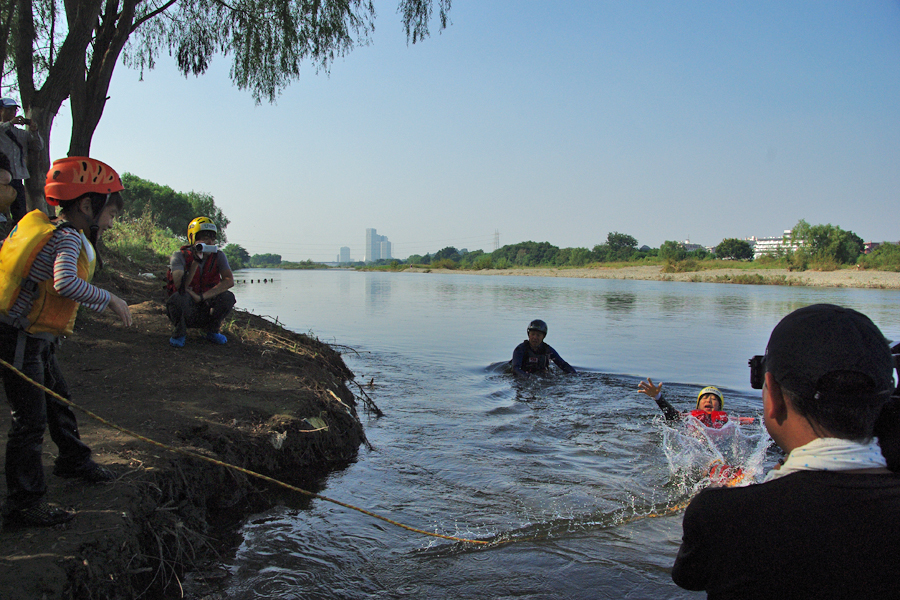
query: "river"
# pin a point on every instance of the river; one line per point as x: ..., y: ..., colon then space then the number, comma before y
x: 574, y: 480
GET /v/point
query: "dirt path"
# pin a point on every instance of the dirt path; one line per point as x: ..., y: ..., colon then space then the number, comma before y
x: 841, y: 278
x: 242, y: 403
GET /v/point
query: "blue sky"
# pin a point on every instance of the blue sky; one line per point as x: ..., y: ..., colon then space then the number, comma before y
x: 546, y: 121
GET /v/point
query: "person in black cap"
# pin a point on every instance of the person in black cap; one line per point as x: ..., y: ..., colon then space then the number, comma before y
x: 824, y: 524
x: 533, y: 355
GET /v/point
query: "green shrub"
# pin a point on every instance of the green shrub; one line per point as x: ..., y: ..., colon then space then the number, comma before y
x: 680, y: 266
x: 797, y: 261
x: 885, y: 257
x: 444, y: 263
x: 483, y: 262
x: 825, y: 263
x: 141, y: 240
x: 769, y: 260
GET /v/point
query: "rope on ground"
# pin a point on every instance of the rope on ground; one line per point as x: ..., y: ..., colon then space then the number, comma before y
x: 194, y: 455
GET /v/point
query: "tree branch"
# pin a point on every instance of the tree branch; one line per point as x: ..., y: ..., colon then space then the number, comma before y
x: 151, y: 14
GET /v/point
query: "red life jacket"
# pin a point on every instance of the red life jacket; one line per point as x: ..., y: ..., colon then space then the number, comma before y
x: 715, y: 419
x: 206, y: 278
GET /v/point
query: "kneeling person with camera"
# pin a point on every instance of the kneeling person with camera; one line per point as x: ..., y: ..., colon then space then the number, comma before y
x: 198, y: 281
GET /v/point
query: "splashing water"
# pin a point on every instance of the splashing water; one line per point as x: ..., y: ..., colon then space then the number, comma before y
x: 701, y: 456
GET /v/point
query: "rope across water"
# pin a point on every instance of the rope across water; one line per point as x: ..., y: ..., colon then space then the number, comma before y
x: 220, y: 463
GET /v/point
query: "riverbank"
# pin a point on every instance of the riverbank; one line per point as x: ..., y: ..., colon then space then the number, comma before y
x: 270, y: 401
x: 841, y: 278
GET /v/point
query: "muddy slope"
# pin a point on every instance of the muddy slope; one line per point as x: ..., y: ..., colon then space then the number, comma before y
x: 269, y: 401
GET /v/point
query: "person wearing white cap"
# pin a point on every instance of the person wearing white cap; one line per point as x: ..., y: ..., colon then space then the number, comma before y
x: 15, y: 143
x: 825, y: 523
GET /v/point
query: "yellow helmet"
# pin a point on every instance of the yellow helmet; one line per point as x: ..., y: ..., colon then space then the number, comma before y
x: 711, y: 389
x: 200, y: 224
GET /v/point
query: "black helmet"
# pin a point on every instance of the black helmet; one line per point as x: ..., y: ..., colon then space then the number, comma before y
x: 537, y: 325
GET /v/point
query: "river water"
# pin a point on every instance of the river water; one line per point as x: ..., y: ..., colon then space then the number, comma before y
x: 575, y: 480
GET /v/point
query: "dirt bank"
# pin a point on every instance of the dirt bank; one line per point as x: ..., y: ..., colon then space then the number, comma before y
x: 841, y: 278
x: 260, y: 402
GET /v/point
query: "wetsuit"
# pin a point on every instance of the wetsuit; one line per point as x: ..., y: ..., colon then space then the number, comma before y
x: 525, y: 360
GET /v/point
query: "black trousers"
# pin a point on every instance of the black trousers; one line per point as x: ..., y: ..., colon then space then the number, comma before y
x: 184, y: 312
x: 33, y: 411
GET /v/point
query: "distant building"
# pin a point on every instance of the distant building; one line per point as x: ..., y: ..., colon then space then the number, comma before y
x: 872, y: 246
x: 344, y: 256
x: 773, y: 245
x: 689, y: 247
x: 377, y: 246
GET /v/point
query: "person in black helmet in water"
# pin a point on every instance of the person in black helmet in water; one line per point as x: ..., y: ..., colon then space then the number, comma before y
x: 534, y: 356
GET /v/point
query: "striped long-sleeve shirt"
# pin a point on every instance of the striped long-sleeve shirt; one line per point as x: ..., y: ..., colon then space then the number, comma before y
x: 58, y: 259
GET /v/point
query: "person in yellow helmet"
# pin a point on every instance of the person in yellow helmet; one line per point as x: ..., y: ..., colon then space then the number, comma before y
x: 198, y: 284
x: 710, y: 402
x: 45, y: 274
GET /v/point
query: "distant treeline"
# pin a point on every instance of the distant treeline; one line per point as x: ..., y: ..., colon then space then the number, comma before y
x: 817, y: 246
x: 238, y: 258
x: 161, y: 216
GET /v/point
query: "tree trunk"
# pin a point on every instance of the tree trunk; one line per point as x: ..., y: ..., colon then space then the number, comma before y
x: 7, y: 11
x: 88, y: 92
x: 43, y: 104
x: 39, y: 161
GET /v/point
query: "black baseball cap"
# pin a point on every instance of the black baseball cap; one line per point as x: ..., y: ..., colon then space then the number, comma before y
x: 820, y: 339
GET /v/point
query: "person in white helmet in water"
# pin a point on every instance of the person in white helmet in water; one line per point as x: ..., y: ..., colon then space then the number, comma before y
x: 710, y: 402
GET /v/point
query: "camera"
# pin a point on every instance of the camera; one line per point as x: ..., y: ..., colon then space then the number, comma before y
x: 206, y: 248
x: 757, y: 372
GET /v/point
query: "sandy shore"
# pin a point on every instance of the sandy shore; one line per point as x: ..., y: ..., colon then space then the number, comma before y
x: 843, y: 278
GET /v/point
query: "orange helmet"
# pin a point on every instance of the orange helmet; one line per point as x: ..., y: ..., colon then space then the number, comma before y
x: 72, y: 177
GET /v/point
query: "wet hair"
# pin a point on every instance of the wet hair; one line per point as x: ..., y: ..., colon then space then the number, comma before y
x: 845, y: 405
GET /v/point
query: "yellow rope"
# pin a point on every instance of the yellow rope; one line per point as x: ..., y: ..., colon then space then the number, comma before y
x: 669, y: 510
x: 234, y: 467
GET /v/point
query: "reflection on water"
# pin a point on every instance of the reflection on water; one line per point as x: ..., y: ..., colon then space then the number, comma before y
x: 378, y: 294
x: 622, y: 302
x: 562, y: 474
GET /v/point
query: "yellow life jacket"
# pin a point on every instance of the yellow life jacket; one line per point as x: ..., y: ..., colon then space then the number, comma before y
x: 50, y: 312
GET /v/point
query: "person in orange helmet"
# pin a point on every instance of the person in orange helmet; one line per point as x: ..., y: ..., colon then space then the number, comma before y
x: 45, y: 274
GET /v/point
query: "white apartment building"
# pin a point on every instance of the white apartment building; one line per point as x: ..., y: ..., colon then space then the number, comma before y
x: 773, y: 245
